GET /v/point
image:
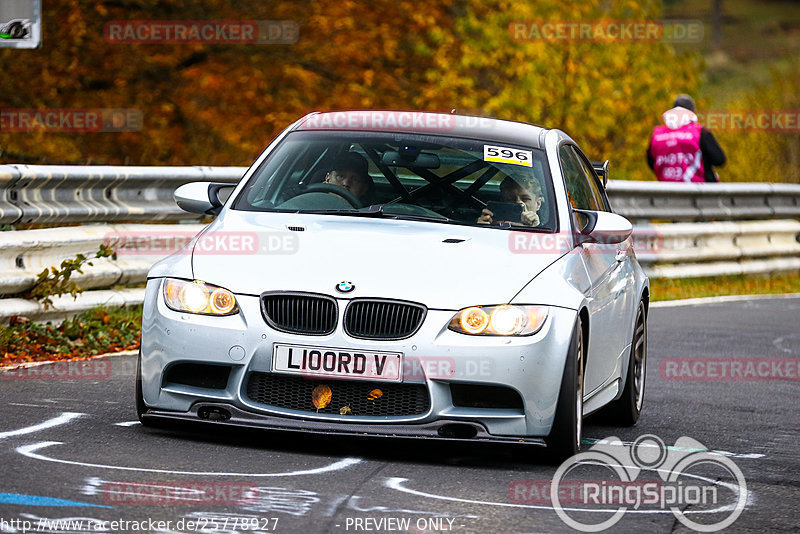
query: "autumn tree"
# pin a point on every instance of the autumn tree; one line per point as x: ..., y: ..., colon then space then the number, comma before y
x: 769, y: 151
x: 219, y: 104
x: 606, y: 94
x: 212, y: 104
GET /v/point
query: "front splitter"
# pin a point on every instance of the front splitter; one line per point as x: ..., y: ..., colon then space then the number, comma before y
x: 427, y: 431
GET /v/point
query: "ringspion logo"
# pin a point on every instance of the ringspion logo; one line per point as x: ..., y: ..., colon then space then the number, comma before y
x: 687, y: 479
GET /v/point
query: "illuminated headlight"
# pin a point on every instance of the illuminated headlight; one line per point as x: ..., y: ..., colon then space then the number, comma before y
x: 504, y: 320
x: 197, y: 297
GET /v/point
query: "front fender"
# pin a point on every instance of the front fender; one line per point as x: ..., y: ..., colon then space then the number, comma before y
x: 564, y: 283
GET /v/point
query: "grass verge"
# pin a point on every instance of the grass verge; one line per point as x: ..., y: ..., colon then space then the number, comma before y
x: 715, y: 286
x: 94, y: 332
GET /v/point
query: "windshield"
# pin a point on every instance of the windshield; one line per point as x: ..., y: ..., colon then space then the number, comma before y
x: 406, y: 176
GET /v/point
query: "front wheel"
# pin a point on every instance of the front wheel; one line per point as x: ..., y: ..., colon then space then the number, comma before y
x: 565, y: 437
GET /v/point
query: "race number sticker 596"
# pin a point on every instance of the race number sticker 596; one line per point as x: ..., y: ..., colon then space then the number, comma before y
x: 507, y: 155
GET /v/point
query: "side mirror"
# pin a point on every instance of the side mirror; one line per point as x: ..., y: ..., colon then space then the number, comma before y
x: 601, y: 168
x: 602, y: 227
x: 205, y: 198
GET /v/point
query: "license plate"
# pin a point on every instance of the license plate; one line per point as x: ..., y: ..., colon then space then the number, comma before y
x: 332, y: 362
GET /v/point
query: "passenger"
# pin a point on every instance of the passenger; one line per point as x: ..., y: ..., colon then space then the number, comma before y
x: 524, y: 190
x: 351, y: 171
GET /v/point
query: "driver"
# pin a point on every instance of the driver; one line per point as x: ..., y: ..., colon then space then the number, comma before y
x: 351, y: 172
x: 519, y: 189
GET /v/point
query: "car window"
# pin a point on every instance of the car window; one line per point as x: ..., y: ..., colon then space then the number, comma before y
x: 594, y: 184
x: 581, y: 188
x: 446, y: 179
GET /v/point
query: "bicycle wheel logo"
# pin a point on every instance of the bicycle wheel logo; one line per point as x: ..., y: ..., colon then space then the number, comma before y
x: 689, y: 479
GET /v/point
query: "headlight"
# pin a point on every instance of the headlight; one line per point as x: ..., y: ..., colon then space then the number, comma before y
x: 197, y: 297
x: 504, y: 320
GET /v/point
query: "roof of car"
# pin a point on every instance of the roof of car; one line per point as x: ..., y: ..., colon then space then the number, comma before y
x: 421, y: 122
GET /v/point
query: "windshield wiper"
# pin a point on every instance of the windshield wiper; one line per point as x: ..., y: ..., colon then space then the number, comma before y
x: 377, y: 211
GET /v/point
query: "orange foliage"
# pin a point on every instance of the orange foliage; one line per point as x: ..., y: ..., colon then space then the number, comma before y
x: 220, y: 104
x: 321, y: 396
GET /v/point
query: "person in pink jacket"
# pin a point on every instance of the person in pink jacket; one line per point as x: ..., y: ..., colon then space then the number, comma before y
x: 681, y: 150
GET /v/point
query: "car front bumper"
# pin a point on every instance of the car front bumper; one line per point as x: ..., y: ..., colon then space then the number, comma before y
x: 434, y: 357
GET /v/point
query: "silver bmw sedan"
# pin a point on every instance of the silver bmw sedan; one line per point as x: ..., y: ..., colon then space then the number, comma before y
x: 397, y: 273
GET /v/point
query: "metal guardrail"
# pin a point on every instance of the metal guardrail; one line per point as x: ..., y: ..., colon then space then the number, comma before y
x: 25, y: 253
x: 665, y: 250
x: 65, y: 306
x: 685, y: 250
x: 31, y: 194
x: 37, y: 194
x: 667, y: 201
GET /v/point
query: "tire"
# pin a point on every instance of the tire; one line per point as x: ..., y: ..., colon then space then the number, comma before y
x: 17, y: 30
x: 565, y: 437
x: 626, y: 410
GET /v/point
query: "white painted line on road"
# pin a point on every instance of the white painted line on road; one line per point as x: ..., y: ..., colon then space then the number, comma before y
x: 30, y: 452
x: 396, y: 483
x: 352, y: 504
x: 719, y: 300
x: 747, y: 456
x: 778, y: 341
x: 25, y: 365
x: 62, y: 419
x: 128, y: 423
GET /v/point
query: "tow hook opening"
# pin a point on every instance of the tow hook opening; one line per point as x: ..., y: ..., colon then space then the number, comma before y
x: 212, y: 413
x: 458, y: 431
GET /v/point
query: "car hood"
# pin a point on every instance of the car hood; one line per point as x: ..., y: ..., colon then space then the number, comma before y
x: 440, y: 265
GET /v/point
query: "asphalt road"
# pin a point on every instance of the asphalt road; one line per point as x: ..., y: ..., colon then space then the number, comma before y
x: 71, y: 449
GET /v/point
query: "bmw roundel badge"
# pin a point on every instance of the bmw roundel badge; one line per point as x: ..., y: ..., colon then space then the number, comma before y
x: 345, y: 287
